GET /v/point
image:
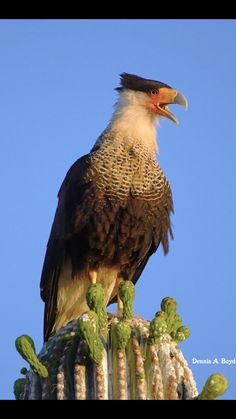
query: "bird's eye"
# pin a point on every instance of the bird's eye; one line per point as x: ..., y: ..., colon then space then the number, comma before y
x: 154, y: 92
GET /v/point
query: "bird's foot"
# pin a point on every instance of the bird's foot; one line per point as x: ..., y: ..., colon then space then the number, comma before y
x: 93, y: 276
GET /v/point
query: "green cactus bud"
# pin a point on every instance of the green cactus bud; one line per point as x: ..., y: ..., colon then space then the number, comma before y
x: 95, y: 296
x: 19, y: 387
x: 25, y: 346
x: 127, y: 292
x: 181, y: 334
x: 96, y: 301
x: 158, y: 327
x: 24, y: 371
x: 177, y: 322
x: 161, y: 315
x: 88, y: 329
x: 215, y: 386
x: 169, y: 306
x: 122, y: 331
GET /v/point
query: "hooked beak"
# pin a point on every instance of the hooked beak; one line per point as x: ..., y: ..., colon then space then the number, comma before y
x: 168, y: 96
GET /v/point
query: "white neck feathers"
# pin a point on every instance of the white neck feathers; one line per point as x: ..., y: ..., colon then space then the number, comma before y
x: 133, y: 119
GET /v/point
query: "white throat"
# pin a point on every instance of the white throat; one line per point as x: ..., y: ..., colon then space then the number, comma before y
x: 133, y: 119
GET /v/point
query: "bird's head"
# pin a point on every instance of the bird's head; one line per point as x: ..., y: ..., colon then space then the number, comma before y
x: 154, y: 95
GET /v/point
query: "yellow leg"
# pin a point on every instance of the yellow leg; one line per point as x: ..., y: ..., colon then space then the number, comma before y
x: 119, y: 302
x: 93, y: 277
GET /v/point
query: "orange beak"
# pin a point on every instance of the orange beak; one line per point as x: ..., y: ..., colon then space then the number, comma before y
x: 168, y: 96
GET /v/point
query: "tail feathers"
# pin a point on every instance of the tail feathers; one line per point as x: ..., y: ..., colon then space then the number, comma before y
x: 71, y: 293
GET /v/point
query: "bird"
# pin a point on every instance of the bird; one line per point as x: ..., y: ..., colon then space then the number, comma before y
x: 114, y: 206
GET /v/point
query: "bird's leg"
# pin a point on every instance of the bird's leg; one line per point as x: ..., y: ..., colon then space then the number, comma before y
x: 93, y: 276
x: 119, y: 302
x: 119, y: 306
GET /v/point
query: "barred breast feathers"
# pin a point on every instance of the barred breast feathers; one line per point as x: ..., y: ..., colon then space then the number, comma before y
x: 124, y: 156
x: 122, y: 165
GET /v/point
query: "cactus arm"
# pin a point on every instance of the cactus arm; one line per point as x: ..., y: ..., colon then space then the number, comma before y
x: 215, y: 386
x: 88, y: 330
x: 126, y: 293
x: 25, y: 346
x: 19, y: 387
x: 96, y: 302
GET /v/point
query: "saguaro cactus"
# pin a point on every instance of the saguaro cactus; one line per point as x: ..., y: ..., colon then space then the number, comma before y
x: 100, y: 356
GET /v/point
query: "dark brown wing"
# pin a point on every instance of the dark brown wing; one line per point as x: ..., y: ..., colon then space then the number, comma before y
x: 70, y: 196
x: 160, y: 234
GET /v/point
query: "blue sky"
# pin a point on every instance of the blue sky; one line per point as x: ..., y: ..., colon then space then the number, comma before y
x: 57, y: 80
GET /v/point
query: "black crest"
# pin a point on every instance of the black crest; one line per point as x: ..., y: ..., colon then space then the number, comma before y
x: 133, y: 82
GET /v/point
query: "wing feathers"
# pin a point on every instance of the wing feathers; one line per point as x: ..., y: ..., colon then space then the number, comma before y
x: 70, y: 195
